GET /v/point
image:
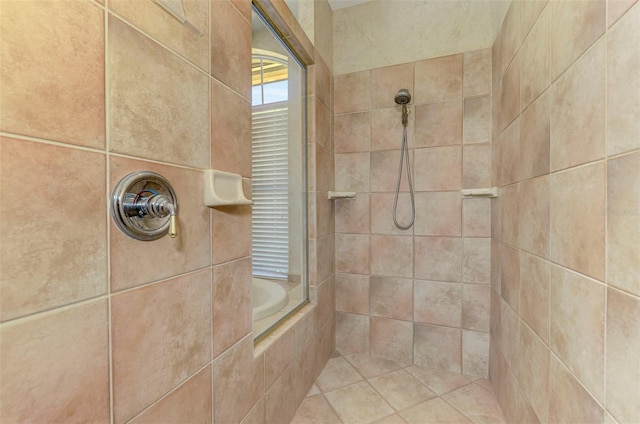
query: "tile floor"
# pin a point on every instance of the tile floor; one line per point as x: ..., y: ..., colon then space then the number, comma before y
x: 361, y: 389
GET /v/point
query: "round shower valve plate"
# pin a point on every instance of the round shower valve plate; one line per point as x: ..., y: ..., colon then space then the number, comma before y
x: 142, y: 205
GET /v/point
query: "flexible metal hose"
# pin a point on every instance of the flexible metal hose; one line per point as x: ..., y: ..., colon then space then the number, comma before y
x: 404, y: 153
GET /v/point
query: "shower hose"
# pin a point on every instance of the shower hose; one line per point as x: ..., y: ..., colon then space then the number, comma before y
x: 404, y: 155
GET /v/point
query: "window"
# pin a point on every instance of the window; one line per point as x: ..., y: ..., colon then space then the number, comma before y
x: 270, y: 167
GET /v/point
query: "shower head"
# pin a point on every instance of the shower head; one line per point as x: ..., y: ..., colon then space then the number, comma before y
x: 402, y: 97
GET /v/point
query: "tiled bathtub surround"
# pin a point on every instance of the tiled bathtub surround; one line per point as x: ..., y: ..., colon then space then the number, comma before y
x: 420, y: 295
x: 564, y: 290
x: 97, y: 327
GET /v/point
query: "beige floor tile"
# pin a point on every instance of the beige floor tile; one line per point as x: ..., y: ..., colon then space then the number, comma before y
x: 401, y: 389
x: 358, y: 403
x: 477, y: 404
x: 370, y: 366
x: 439, y: 381
x: 437, y: 411
x: 314, y: 390
x: 315, y: 410
x: 391, y: 419
x: 337, y: 373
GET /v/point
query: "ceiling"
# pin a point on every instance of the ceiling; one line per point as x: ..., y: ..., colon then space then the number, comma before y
x: 341, y: 4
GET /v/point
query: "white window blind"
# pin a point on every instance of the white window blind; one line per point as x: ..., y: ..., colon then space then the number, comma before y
x: 270, y: 188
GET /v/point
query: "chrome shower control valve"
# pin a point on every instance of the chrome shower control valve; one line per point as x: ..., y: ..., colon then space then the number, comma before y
x: 144, y: 206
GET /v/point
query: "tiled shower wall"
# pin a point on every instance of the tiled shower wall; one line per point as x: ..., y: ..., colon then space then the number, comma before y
x: 421, y: 295
x: 97, y: 327
x: 565, y: 305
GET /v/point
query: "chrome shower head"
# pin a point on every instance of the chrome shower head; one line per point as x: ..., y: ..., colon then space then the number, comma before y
x: 402, y: 97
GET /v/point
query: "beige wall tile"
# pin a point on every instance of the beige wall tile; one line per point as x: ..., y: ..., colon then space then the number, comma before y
x: 506, y: 99
x: 475, y: 353
x: 280, y: 399
x: 351, y: 132
x: 438, y: 79
x: 70, y: 346
x: 351, y: 92
x: 510, y: 162
x: 323, y: 123
x: 568, y: 400
x: 352, y: 215
x: 439, y: 124
x: 352, y: 333
x: 533, y: 371
x: 623, y: 229
x: 392, y: 298
x: 148, y: 340
x: 385, y: 83
x: 438, y: 214
x: 438, y: 258
x: 387, y: 129
x: 321, y: 214
x: 535, y: 141
x: 187, y: 252
x: 476, y: 260
x: 623, y: 83
x: 438, y: 347
x: 578, y: 221
x: 392, y: 339
x: 382, y: 210
x: 574, y: 28
x: 280, y: 354
x: 230, y: 131
x: 438, y: 168
x: 257, y: 414
x: 533, y: 216
x: 534, y: 294
x: 238, y: 382
x: 476, y: 304
x: 476, y: 217
x: 623, y: 369
x: 529, y: 12
x: 578, y: 112
x: 352, y: 293
x: 510, y: 276
x: 160, y: 25
x: 231, y: 48
x: 231, y: 300
x: 476, y: 166
x: 352, y: 172
x: 65, y: 103
x: 47, y: 258
x: 476, y: 79
x: 384, y: 170
x: 231, y: 233
x: 535, y: 77
x: 509, y: 339
x: 496, y: 59
x: 191, y: 402
x: 155, y: 118
x: 617, y: 8
x: 325, y: 300
x: 392, y: 256
x: 577, y: 326
x: 509, y: 205
x: 511, y: 38
x: 477, y: 120
x: 437, y: 303
x: 352, y: 253
x: 325, y: 258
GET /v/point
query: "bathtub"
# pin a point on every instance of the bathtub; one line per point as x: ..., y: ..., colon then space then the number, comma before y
x: 268, y: 298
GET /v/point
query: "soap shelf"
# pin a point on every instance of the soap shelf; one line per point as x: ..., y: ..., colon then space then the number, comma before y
x: 223, y: 189
x: 333, y: 195
x: 480, y: 192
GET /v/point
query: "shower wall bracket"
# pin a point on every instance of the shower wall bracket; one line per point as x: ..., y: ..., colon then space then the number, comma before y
x: 334, y: 195
x: 480, y: 192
